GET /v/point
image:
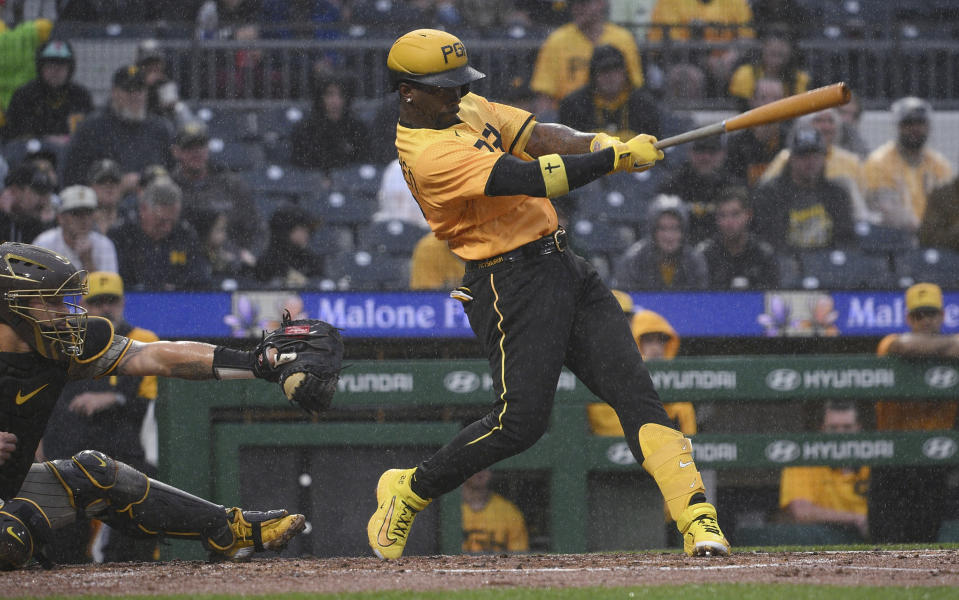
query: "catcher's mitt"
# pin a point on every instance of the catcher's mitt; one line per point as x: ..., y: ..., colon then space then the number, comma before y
x: 308, y: 361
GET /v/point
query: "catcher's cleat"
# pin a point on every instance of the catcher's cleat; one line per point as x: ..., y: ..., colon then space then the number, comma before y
x: 255, y: 531
x: 701, y: 533
x: 398, y: 504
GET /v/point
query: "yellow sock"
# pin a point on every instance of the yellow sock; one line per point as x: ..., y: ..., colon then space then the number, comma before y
x: 669, y: 459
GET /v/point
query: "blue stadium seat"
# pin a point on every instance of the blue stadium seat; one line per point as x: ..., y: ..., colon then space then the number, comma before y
x: 363, y: 270
x: 336, y: 208
x: 277, y: 123
x: 598, y: 237
x: 236, y: 155
x: 790, y: 272
x: 845, y: 269
x: 227, y: 123
x: 878, y: 238
x: 357, y: 180
x: 391, y: 237
x: 933, y: 265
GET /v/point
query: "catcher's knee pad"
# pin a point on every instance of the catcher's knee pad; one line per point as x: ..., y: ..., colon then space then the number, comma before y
x: 97, y: 482
x: 669, y: 459
x: 23, y: 529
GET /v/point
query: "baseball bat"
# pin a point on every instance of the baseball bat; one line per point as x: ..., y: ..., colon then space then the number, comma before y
x: 790, y: 107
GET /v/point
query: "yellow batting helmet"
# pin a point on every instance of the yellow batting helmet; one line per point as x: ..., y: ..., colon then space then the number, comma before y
x: 430, y: 57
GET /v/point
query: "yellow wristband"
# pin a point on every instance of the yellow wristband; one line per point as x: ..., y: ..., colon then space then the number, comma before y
x: 554, y: 175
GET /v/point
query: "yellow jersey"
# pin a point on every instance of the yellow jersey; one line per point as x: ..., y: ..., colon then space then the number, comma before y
x: 447, y: 171
x: 828, y: 487
x: 497, y: 527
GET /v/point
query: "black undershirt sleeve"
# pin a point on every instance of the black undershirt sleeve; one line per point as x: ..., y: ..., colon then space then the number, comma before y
x: 512, y: 177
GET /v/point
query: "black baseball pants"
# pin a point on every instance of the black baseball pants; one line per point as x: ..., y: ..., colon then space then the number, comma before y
x: 534, y: 316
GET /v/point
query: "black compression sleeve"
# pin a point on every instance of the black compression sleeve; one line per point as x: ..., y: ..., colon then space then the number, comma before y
x: 511, y: 176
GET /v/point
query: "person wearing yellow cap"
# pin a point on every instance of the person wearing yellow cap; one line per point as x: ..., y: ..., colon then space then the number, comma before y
x: 906, y: 504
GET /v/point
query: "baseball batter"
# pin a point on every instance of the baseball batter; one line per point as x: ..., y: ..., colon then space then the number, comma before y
x: 483, y: 174
x: 46, y: 340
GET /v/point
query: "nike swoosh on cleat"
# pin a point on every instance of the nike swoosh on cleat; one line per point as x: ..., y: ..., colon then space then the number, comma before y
x: 683, y: 465
x: 383, y: 538
x: 21, y: 398
x: 14, y: 534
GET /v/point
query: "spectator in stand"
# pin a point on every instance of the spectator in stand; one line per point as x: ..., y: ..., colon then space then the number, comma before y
x: 491, y: 523
x: 940, y: 223
x: 433, y: 265
x: 657, y: 340
x: 123, y: 131
x: 829, y: 495
x: 230, y: 265
x: 395, y: 200
x: 105, y: 177
x: 736, y: 258
x: 208, y: 187
x: 919, y: 493
x: 28, y: 191
x: 842, y: 166
x: 849, y: 136
x: 288, y: 261
x: 163, y: 95
x: 51, y: 105
x: 662, y: 260
x: 75, y: 236
x: 562, y: 65
x: 749, y: 152
x: 160, y: 251
x: 801, y: 209
x: 18, y: 47
x: 105, y: 414
x: 330, y: 137
x: 704, y: 21
x: 900, y: 173
x: 698, y: 181
x: 608, y: 102
x: 776, y: 58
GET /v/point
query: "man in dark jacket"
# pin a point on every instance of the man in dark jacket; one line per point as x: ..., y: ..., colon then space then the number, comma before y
x: 737, y: 259
x: 609, y: 102
x: 52, y: 104
x: 124, y: 132
x: 801, y: 209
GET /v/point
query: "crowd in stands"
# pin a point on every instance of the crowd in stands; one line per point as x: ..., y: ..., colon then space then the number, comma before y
x: 176, y: 193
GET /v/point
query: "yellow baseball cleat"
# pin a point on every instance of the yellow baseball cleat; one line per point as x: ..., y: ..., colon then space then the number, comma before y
x: 255, y: 531
x: 701, y: 533
x: 398, y: 504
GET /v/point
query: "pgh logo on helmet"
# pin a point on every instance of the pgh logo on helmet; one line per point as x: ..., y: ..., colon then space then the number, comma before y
x: 430, y: 57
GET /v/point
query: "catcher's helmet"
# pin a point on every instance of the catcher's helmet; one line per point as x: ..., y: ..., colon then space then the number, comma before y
x: 430, y: 57
x: 40, y: 290
x: 16, y: 542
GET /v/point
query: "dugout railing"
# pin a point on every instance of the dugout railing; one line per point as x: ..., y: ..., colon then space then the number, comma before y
x: 235, y: 441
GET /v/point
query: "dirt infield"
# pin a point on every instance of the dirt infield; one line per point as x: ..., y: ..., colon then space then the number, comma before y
x: 261, y: 576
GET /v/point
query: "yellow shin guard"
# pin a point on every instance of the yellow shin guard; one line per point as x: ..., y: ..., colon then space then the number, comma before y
x: 669, y: 459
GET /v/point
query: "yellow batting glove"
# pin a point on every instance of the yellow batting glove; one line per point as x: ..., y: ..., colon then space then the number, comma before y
x: 601, y: 141
x: 638, y: 154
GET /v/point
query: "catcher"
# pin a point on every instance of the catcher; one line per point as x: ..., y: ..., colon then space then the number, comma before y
x: 46, y: 340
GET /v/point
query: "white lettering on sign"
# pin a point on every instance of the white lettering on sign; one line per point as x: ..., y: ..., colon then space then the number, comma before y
x: 375, y: 382
x: 864, y: 312
x: 849, y: 378
x: 849, y: 449
x: 694, y: 380
x: 369, y: 314
x: 714, y: 452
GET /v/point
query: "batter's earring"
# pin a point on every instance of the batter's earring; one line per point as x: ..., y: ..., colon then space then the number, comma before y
x: 409, y: 100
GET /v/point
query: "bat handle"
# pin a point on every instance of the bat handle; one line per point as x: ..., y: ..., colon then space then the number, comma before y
x: 689, y: 136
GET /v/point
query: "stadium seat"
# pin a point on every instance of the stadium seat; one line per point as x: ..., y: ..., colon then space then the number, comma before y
x: 357, y: 180
x: 845, y: 270
x: 934, y: 265
x: 336, y: 208
x: 391, y: 237
x: 878, y: 238
x: 277, y: 123
x: 790, y: 272
x: 236, y: 155
x: 598, y: 237
x: 363, y: 270
x: 290, y: 182
x: 230, y: 124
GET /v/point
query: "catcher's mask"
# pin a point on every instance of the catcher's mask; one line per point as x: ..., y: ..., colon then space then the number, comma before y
x: 41, y: 293
x: 430, y: 57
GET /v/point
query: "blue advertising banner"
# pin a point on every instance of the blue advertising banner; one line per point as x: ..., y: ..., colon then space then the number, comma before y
x: 174, y: 315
